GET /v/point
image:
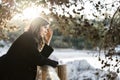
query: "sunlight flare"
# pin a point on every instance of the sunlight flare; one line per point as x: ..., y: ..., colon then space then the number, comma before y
x: 30, y: 12
x: 33, y: 12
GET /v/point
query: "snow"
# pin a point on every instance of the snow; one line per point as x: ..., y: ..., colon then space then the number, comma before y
x: 68, y: 55
x: 82, y: 70
x: 80, y: 64
x: 83, y: 65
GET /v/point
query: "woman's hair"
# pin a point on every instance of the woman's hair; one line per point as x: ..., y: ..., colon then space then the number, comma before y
x: 34, y: 29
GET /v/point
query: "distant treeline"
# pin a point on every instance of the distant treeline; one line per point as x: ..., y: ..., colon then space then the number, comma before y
x: 66, y: 41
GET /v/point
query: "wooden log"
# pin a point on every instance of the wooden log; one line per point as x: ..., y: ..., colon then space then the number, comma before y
x: 44, y: 73
x: 62, y: 72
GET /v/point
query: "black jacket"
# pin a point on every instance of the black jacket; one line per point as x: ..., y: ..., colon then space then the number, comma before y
x: 22, y: 58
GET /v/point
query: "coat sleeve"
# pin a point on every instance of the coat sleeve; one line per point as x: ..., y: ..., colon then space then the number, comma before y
x: 47, y: 50
x: 40, y: 58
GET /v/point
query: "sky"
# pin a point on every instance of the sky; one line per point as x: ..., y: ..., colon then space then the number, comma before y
x: 89, y: 9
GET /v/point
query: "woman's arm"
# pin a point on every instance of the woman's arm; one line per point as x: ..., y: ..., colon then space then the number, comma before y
x: 47, y: 50
x: 40, y: 58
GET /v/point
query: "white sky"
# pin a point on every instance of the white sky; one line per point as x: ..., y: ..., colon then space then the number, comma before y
x: 90, y: 9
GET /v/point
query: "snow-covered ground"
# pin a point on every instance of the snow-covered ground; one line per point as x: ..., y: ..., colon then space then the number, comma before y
x: 81, y: 64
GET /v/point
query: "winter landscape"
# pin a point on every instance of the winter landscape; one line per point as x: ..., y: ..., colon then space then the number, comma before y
x: 81, y: 64
x: 80, y: 26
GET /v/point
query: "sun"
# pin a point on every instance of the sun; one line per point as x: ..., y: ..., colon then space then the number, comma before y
x: 27, y: 15
x: 30, y: 12
x: 34, y: 11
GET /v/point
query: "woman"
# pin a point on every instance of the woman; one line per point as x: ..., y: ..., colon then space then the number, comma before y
x: 29, y: 50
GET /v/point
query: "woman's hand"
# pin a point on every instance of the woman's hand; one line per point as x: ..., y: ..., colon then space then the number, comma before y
x: 48, y: 36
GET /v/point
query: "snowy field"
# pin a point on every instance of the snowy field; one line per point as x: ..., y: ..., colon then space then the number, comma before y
x: 81, y: 64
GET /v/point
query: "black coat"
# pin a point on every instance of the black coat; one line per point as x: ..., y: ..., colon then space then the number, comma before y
x: 22, y: 58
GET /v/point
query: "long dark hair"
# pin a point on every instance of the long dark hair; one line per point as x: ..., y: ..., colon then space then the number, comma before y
x: 34, y: 29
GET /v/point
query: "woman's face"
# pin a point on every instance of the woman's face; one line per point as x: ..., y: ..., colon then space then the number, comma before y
x: 44, y: 30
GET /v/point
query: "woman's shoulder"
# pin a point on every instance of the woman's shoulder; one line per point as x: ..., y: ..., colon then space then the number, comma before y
x: 26, y: 35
